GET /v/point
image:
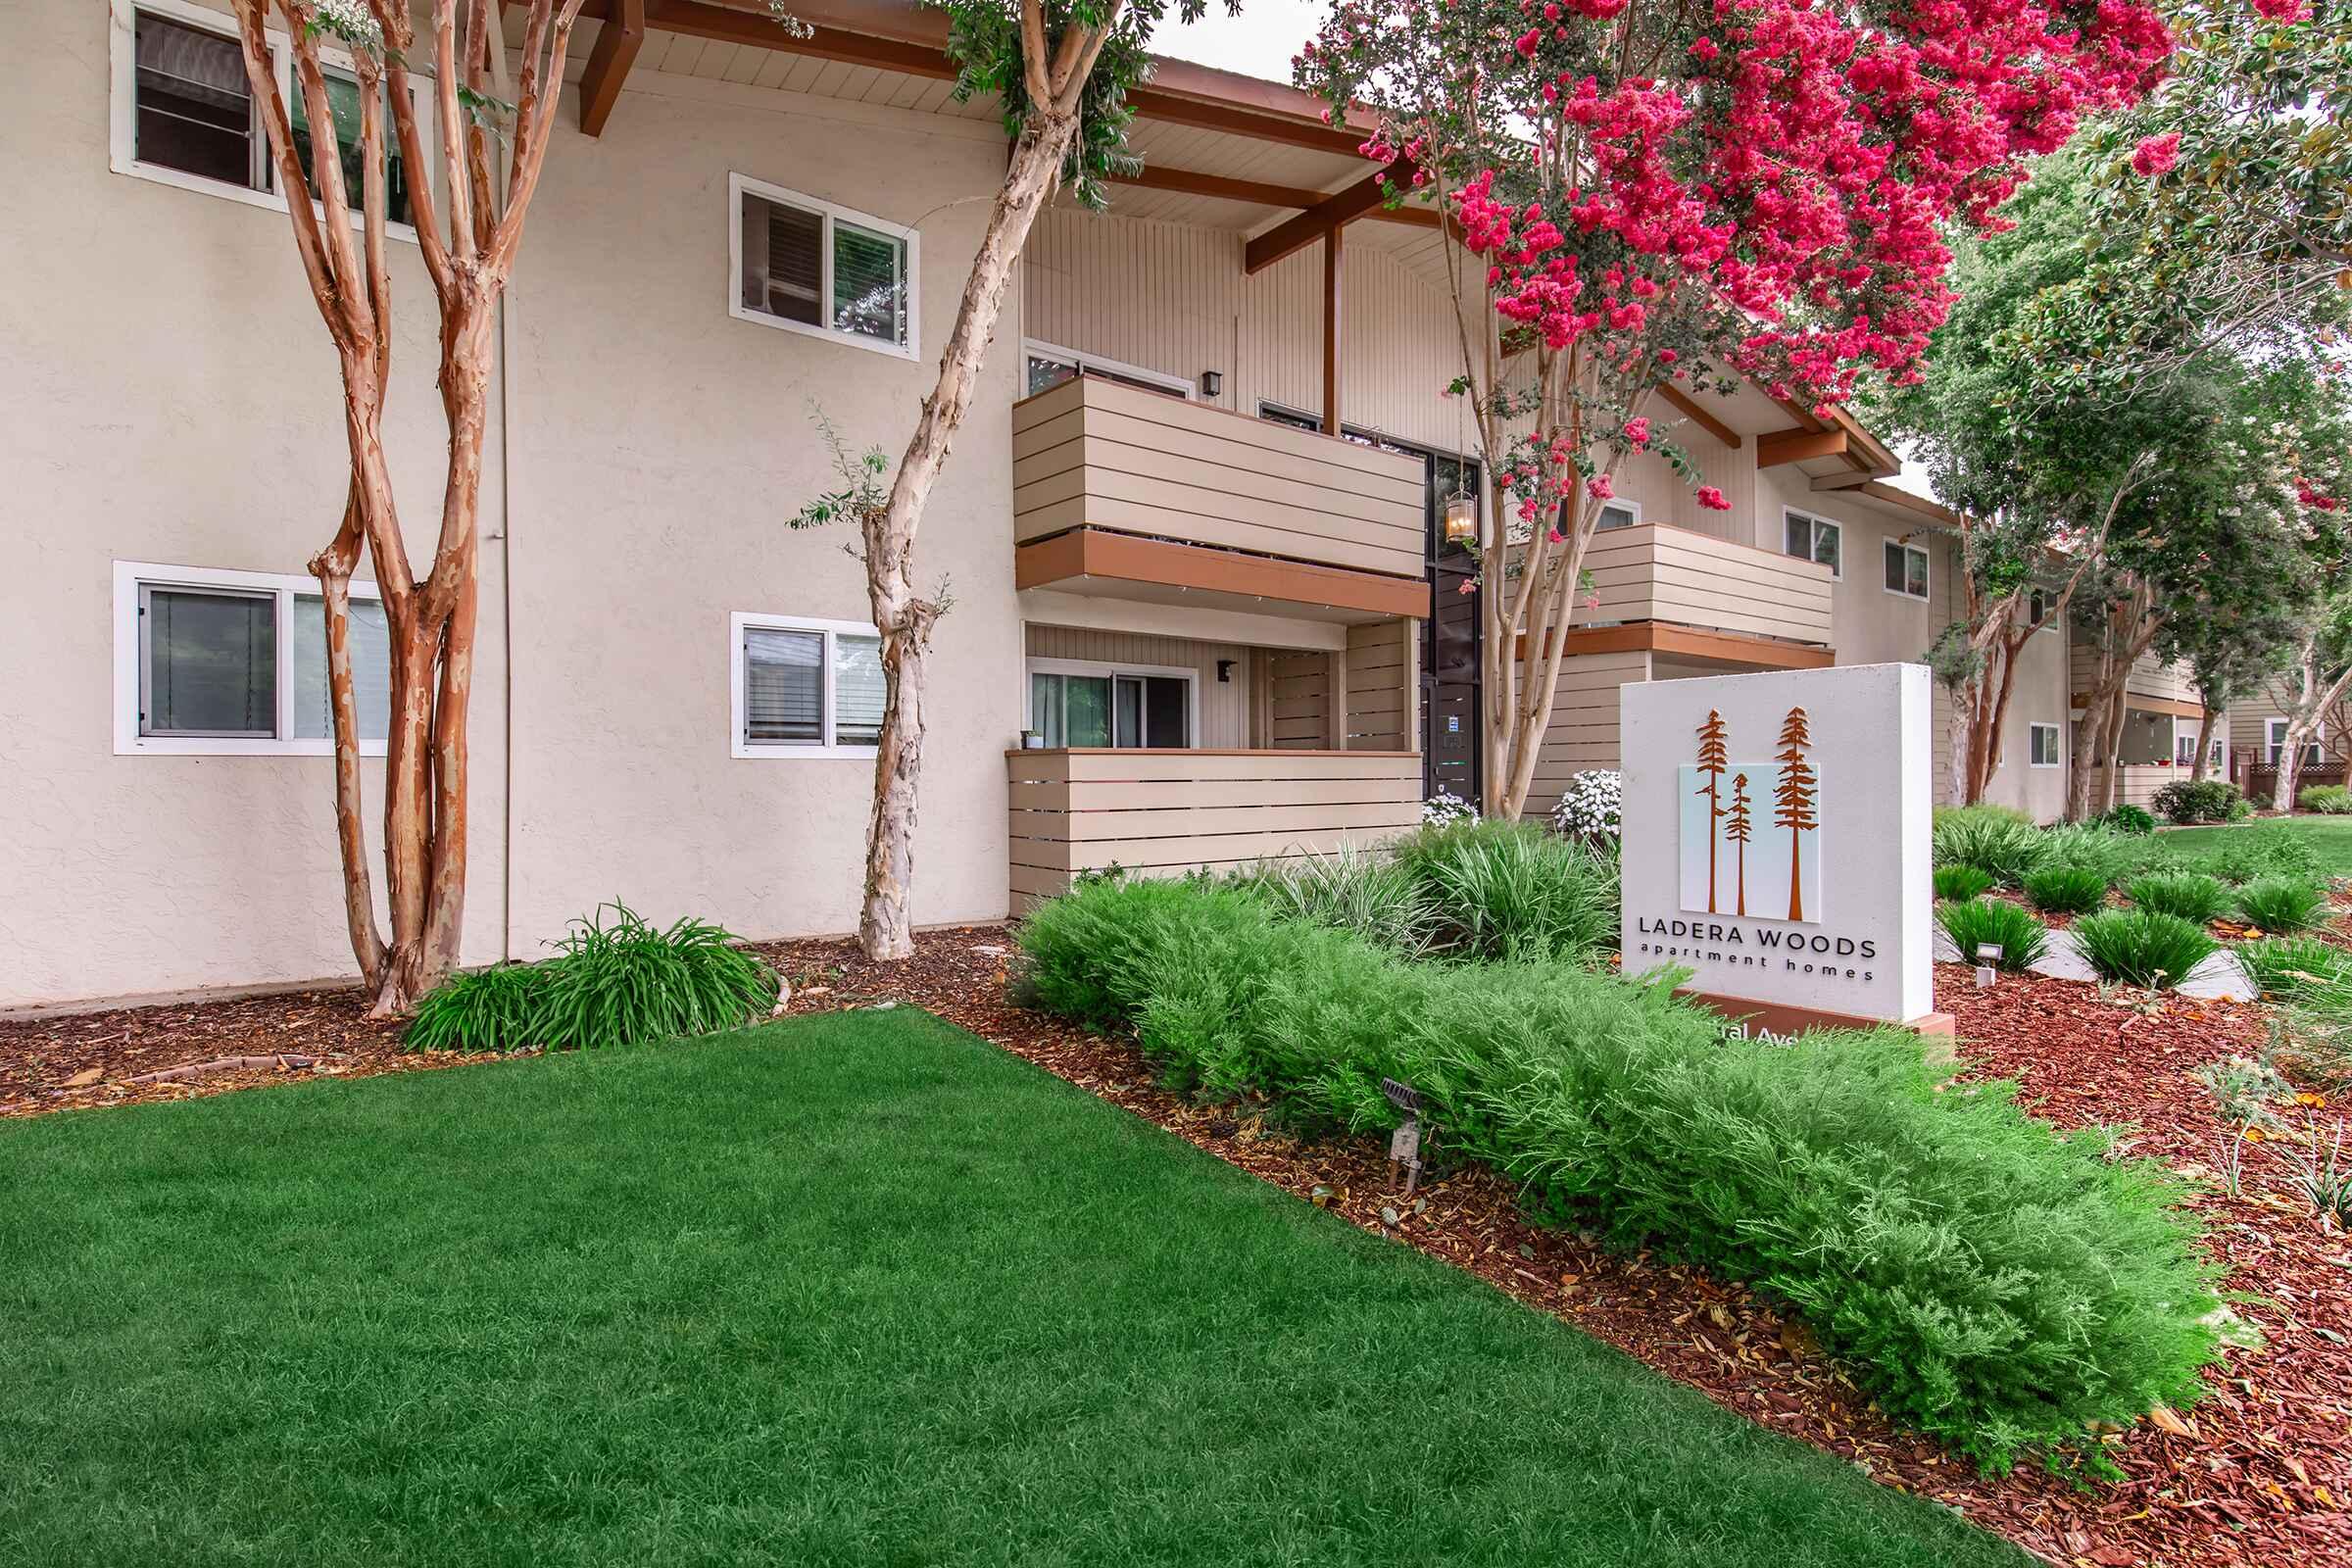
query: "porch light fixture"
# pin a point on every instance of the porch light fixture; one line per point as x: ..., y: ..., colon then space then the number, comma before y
x: 1212, y: 383
x: 1461, y: 520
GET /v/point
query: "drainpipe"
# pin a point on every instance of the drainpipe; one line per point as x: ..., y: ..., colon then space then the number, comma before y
x: 505, y: 583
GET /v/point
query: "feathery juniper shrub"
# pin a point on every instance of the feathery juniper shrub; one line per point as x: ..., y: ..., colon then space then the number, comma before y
x: 1982, y: 1276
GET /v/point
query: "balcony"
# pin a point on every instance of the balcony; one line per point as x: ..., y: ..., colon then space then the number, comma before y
x: 1165, y: 812
x: 1677, y: 578
x: 1135, y: 494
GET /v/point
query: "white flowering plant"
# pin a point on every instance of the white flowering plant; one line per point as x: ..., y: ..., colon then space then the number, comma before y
x: 1592, y: 807
x: 1446, y: 808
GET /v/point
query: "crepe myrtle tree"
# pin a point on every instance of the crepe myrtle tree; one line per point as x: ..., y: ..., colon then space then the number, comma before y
x: 1062, y: 70
x: 469, y: 227
x: 1654, y: 196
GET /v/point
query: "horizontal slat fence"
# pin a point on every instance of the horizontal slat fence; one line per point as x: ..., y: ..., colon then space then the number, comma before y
x: 1654, y: 571
x: 1164, y: 813
x: 1093, y: 452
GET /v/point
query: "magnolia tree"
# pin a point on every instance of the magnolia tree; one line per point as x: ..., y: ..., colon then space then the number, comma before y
x: 468, y: 228
x: 1060, y: 69
x: 1643, y: 196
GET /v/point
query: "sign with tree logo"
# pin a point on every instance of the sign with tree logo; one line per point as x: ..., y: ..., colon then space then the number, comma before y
x: 1776, y: 842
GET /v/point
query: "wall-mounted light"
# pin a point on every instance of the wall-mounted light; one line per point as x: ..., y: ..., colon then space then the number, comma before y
x: 1212, y: 383
x: 1225, y: 671
x: 1462, y: 520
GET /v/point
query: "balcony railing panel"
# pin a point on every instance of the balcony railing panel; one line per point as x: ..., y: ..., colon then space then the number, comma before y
x: 1654, y: 571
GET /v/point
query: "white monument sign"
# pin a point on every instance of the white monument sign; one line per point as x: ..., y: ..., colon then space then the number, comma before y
x: 1776, y: 842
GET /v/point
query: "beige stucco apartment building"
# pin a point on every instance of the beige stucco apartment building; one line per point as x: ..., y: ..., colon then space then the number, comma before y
x: 1190, y: 524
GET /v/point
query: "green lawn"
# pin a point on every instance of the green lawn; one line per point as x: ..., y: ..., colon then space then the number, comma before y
x: 858, y: 1289
x: 2330, y: 836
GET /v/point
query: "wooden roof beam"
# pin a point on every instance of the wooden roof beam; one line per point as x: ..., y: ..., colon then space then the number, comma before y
x: 1192, y: 182
x: 617, y: 40
x: 1797, y: 445
x: 1333, y: 211
x: 1689, y: 408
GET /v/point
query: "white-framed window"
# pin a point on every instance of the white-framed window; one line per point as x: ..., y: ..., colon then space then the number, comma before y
x: 802, y: 688
x: 2273, y: 741
x: 2042, y: 746
x: 1815, y: 539
x: 183, y: 111
x: 1907, y: 569
x: 233, y: 664
x: 1620, y: 512
x: 814, y: 266
x: 1048, y: 364
x: 1075, y: 702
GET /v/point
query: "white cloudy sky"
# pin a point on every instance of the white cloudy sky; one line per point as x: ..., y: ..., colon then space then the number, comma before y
x: 1260, y: 42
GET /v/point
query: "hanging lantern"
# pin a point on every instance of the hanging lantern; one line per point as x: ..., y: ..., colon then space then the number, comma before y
x: 1462, y: 520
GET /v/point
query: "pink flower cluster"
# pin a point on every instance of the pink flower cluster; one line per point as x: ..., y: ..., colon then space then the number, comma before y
x: 2156, y: 155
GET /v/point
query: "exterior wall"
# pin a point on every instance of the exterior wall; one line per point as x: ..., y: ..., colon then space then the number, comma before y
x: 1664, y: 496
x: 1870, y: 626
x: 1384, y: 687
x: 1297, y: 701
x: 1223, y: 707
x: 186, y: 412
x: 2150, y: 676
x: 2040, y: 695
x: 1583, y: 732
x: 1172, y: 298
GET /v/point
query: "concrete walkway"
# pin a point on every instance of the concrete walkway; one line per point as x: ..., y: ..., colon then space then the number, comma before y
x: 2220, y: 977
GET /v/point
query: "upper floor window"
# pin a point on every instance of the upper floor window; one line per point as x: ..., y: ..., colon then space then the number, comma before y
x: 1050, y: 365
x: 1620, y: 513
x: 1816, y: 539
x: 2043, y: 739
x: 1907, y: 569
x: 184, y: 111
x: 2274, y: 742
x: 806, y: 688
x: 811, y: 266
x: 234, y: 662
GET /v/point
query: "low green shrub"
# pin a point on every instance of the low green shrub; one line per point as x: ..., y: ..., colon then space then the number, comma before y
x: 613, y: 982
x: 2066, y: 889
x: 2142, y: 947
x: 1960, y: 883
x: 2293, y: 967
x: 2207, y: 800
x: 2328, y: 800
x: 2268, y: 849
x: 1512, y: 890
x: 2192, y: 895
x: 1982, y: 1276
x: 2003, y: 843
x: 2116, y: 856
x: 2127, y: 819
x: 481, y: 1009
x: 1997, y: 922
x: 2282, y: 905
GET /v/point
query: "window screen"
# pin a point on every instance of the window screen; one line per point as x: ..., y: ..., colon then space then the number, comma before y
x: 343, y: 100
x: 371, y: 670
x: 869, y: 286
x: 859, y: 691
x: 194, y: 107
x: 1614, y: 517
x: 800, y: 265
x: 783, y: 686
x: 1813, y: 539
x: 209, y: 663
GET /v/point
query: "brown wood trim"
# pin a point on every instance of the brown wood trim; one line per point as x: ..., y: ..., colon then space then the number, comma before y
x: 1326, y: 216
x: 1199, y: 751
x: 617, y: 41
x: 1690, y: 408
x: 1193, y: 183
x: 1663, y: 637
x: 1776, y: 447
x: 1124, y: 558
x: 2146, y: 705
x: 1879, y: 490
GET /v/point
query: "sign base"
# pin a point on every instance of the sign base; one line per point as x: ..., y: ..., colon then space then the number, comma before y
x: 1785, y: 1018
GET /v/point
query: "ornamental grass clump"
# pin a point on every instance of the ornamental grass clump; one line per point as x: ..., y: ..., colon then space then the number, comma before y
x: 2296, y: 966
x: 2003, y: 843
x: 1374, y: 895
x: 1960, y: 883
x: 1982, y: 1276
x: 2192, y: 895
x: 1979, y: 924
x: 2142, y: 947
x: 617, y: 980
x: 1510, y: 890
x: 2282, y: 905
x: 2066, y: 889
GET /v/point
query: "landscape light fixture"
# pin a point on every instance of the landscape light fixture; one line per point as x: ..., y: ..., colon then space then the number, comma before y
x: 1988, y: 954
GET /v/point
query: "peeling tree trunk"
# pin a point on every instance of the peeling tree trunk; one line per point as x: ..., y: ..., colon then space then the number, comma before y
x: 2316, y: 692
x: 2203, y: 761
x: 904, y: 618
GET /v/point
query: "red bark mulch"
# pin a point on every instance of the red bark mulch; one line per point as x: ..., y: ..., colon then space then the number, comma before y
x: 2257, y: 1473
